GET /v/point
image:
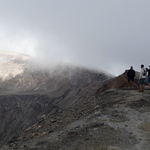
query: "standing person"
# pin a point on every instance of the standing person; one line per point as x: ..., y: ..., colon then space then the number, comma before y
x: 142, y: 78
x: 131, y: 75
x: 148, y: 70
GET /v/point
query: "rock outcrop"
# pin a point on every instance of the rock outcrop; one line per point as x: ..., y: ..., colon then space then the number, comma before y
x: 120, y: 81
x: 12, y: 64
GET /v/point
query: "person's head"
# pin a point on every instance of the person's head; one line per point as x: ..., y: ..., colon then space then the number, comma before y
x: 131, y: 67
x: 142, y: 66
x: 149, y: 67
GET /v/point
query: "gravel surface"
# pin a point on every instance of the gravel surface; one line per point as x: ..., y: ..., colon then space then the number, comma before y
x: 112, y: 120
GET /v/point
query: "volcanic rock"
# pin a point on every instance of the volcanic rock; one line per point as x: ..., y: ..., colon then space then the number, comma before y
x: 57, y: 109
x: 120, y: 81
x: 28, y: 92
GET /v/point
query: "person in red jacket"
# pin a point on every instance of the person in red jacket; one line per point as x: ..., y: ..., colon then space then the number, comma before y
x: 131, y: 75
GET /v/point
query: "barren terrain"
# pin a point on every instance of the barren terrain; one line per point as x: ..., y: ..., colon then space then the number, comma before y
x: 70, y: 108
x: 117, y: 119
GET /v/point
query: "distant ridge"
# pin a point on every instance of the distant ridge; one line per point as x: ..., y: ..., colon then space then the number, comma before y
x: 13, y: 53
x: 20, y: 72
x: 12, y: 64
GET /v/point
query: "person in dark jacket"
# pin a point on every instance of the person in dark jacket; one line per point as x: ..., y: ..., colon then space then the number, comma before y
x: 131, y: 75
x: 148, y: 70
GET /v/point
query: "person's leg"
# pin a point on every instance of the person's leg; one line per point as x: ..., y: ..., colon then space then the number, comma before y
x: 148, y: 81
x: 141, y: 83
x: 128, y: 82
x: 132, y: 82
x: 140, y: 87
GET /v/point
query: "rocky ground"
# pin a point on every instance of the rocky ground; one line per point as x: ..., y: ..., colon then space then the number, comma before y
x: 117, y: 119
x: 70, y: 108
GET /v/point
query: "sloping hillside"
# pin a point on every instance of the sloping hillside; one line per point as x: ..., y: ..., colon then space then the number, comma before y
x: 19, y: 73
x: 29, y: 93
x: 112, y: 120
x: 58, y: 110
x: 120, y: 81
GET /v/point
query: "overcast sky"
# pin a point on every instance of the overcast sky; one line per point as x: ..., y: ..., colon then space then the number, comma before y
x: 103, y: 34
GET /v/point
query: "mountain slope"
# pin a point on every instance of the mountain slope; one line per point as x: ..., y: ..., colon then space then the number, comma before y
x: 120, y: 81
x: 58, y: 109
x: 114, y: 119
x: 31, y: 92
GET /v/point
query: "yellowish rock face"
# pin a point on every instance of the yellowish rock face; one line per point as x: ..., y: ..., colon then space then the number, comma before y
x: 12, y: 64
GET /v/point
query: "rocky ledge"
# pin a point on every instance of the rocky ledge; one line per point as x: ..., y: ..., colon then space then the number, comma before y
x: 117, y: 119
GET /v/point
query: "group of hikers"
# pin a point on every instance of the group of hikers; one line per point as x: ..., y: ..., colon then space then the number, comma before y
x: 142, y: 77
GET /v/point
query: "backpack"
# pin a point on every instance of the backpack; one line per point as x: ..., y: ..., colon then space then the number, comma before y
x: 144, y: 72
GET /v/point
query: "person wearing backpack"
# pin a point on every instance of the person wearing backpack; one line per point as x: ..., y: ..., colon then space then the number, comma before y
x: 131, y: 75
x: 148, y: 70
x: 142, y: 78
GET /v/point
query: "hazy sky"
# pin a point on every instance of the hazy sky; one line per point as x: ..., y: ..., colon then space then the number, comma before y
x: 104, y: 34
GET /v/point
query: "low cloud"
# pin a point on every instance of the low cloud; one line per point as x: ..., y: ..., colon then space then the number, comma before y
x: 105, y: 35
